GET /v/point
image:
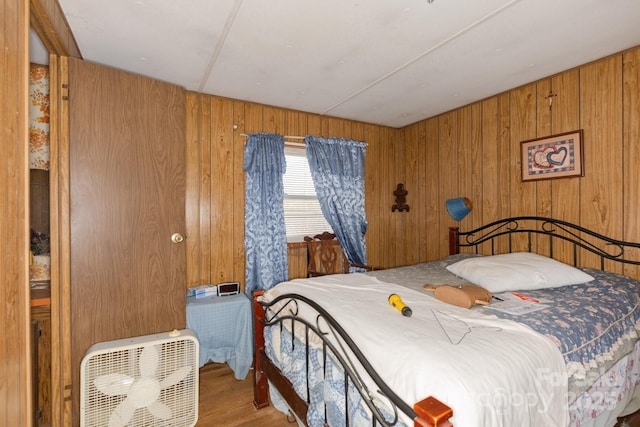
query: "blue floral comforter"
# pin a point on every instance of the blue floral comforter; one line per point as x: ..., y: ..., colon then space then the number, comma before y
x: 593, y: 325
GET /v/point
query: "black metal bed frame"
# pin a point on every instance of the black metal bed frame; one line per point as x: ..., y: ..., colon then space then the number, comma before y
x: 604, y: 247
x: 337, y: 344
x: 341, y: 347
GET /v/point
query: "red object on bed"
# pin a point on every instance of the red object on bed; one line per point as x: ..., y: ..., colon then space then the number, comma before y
x: 433, y: 413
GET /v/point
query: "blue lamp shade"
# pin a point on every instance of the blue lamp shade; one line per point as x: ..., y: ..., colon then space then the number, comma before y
x: 458, y: 208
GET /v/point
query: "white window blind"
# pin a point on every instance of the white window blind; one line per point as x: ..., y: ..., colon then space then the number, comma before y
x: 302, y: 214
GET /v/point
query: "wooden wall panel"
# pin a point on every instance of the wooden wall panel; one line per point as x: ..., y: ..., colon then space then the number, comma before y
x: 476, y: 216
x: 314, y: 124
x: 490, y: 187
x: 565, y: 117
x: 357, y: 131
x: 465, y: 160
x: 401, y: 221
x: 383, y: 171
x: 523, y: 127
x: 204, y: 173
x: 448, y: 169
x: 238, y: 189
x: 373, y: 187
x: 293, y: 123
x: 388, y: 170
x: 192, y: 197
x: 390, y: 244
x: 410, y: 174
x: 434, y: 207
x: 631, y: 150
x: 543, y: 189
x: 483, y: 139
x: 335, y: 126
x: 221, y: 170
x: 419, y: 214
x: 253, y: 119
x: 601, y: 111
x: 15, y: 367
x: 274, y: 120
x: 600, y: 97
x: 543, y: 109
x: 215, y: 194
x: 505, y: 168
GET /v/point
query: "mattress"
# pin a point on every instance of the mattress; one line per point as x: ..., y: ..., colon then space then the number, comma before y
x: 593, y: 325
x: 589, y: 333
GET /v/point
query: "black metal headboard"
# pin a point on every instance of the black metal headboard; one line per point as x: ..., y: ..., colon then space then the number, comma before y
x: 604, y: 247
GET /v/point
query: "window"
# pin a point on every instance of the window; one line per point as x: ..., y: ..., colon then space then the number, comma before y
x: 302, y: 214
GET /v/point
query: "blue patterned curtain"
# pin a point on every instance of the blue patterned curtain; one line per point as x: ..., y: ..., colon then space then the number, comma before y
x: 265, y: 237
x: 337, y: 169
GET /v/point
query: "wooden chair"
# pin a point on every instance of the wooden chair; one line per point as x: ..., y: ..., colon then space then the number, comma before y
x: 325, y: 256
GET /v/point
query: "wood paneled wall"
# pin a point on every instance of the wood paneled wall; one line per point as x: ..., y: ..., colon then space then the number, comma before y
x: 631, y: 150
x: 473, y: 151
x: 15, y: 349
x: 215, y: 182
x: 478, y: 152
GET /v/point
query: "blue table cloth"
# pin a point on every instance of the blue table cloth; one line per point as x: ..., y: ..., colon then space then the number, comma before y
x: 223, y: 326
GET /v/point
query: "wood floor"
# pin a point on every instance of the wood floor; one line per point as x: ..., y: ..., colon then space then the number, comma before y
x: 631, y: 421
x: 226, y: 401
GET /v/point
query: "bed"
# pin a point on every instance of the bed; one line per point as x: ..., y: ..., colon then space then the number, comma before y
x: 333, y: 351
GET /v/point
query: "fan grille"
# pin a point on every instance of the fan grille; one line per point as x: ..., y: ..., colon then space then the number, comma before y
x: 115, y: 359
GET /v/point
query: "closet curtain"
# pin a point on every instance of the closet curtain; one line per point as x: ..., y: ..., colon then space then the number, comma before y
x: 265, y: 237
x: 337, y: 170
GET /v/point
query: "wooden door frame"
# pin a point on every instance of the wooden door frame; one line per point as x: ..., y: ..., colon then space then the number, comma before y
x: 15, y: 354
x: 48, y: 21
x: 60, y: 248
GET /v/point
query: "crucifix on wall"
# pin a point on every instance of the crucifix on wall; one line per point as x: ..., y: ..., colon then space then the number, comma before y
x: 550, y: 97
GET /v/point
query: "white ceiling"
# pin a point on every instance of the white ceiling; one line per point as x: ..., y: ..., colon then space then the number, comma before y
x: 389, y: 62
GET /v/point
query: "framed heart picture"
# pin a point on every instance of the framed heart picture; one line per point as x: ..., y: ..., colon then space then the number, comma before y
x: 555, y: 156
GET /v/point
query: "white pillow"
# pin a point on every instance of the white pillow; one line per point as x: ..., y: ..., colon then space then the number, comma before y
x: 517, y: 271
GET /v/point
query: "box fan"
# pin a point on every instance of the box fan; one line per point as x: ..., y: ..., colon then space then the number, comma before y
x: 150, y: 380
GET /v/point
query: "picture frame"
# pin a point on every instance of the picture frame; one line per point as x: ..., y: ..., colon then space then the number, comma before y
x: 555, y: 156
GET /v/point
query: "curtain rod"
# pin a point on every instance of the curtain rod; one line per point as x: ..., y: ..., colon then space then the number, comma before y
x: 285, y: 137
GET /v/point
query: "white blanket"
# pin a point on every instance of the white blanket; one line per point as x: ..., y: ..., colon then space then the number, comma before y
x: 492, y: 372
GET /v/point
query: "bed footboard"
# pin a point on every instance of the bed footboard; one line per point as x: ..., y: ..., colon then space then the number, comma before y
x: 428, y: 412
x: 264, y: 370
x: 260, y: 385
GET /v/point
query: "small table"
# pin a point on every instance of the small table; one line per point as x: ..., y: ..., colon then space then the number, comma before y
x: 224, y: 330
